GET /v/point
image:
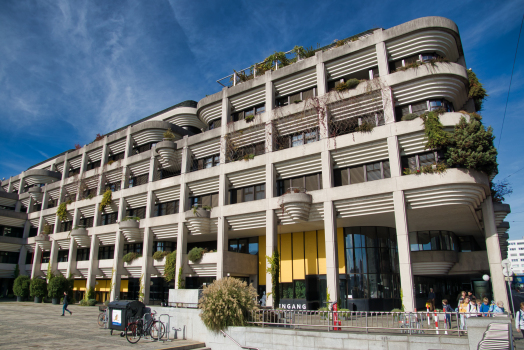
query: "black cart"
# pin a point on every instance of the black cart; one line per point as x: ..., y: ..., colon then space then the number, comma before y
x: 120, y: 312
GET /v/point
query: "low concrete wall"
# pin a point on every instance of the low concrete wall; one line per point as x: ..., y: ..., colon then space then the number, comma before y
x: 478, y: 325
x: 278, y: 338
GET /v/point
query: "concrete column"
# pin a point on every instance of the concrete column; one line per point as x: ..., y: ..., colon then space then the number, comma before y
x: 404, y: 252
x: 271, y: 180
x: 93, y: 263
x: 76, y: 217
x: 271, y: 246
x: 27, y: 227
x: 41, y: 223
x: 226, y: 112
x: 498, y: 282
x: 98, y: 215
x: 37, y: 258
x: 10, y: 185
x: 150, y: 204
x: 152, y: 167
x: 53, y: 256
x: 18, y: 206
x: 395, y: 164
x: 327, y: 169
x: 21, y: 260
x: 147, y: 264
x: 181, y: 244
x: 22, y: 183
x: 222, y: 246
x: 105, y: 153
x: 129, y: 145
x: 321, y: 75
x: 270, y: 136
x: 382, y: 59
x: 330, y: 229
x: 125, y: 178
x: 270, y: 94
x: 83, y: 162
x: 71, y: 261
x: 121, y: 209
x: 30, y: 205
x: 388, y: 104
x: 117, y: 266
x: 45, y: 198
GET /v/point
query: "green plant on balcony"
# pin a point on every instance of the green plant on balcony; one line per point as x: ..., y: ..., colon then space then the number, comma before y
x: 434, y: 130
x: 159, y: 255
x: 106, y: 199
x: 471, y: 146
x: 350, y: 84
x: 302, y: 52
x: 61, y: 211
x: 129, y: 257
x: 195, y: 254
x: 249, y: 118
x: 47, y: 229
x: 169, y: 135
x: 110, y: 162
x: 365, y: 127
x: 410, y: 116
x: 248, y: 156
x: 204, y: 207
x: 476, y: 90
x: 128, y: 218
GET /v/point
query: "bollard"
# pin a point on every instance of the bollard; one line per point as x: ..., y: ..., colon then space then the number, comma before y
x: 436, y: 322
x: 428, y: 316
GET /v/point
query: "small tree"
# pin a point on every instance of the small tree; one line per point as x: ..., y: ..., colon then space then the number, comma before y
x: 170, y: 267
x: 274, y: 271
x: 21, y: 286
x: 38, y: 287
x: 471, y: 147
x: 226, y: 303
x: 57, y: 286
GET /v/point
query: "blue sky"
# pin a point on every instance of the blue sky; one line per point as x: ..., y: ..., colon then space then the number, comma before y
x: 72, y: 69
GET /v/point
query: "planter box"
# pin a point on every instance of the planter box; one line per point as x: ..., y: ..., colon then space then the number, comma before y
x: 199, y: 222
x: 297, y: 205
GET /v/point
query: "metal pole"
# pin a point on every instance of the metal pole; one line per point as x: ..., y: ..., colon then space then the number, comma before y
x: 511, y: 298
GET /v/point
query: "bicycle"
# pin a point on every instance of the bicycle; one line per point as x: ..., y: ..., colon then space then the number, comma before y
x: 139, y: 328
x: 103, y: 317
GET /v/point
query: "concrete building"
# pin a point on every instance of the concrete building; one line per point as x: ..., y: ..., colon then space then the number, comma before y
x: 515, y: 255
x: 323, y: 189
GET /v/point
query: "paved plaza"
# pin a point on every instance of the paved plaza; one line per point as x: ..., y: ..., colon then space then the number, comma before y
x: 28, y: 325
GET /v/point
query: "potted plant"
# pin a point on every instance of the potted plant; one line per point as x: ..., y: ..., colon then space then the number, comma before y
x: 56, y: 288
x: 196, y: 254
x: 21, y: 287
x: 38, y: 289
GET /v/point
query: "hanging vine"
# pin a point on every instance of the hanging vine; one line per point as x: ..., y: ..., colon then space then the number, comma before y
x: 61, y: 211
x: 274, y: 271
x: 106, y: 199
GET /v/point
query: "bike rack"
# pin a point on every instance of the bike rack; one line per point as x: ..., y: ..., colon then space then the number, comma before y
x: 183, y: 329
x: 168, y: 324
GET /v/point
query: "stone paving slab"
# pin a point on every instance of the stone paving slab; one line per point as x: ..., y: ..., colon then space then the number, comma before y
x: 28, y: 325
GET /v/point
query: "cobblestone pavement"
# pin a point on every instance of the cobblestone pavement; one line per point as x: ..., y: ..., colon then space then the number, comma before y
x: 28, y: 325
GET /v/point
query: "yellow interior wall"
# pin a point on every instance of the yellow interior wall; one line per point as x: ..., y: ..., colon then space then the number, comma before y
x: 321, y: 253
x: 299, y: 272
x: 80, y: 285
x: 262, y: 260
x: 341, y: 258
x: 286, y: 264
x: 124, y: 285
x: 310, y: 241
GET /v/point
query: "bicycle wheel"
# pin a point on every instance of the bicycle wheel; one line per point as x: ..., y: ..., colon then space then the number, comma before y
x: 133, y: 333
x: 157, y: 330
x: 102, y: 319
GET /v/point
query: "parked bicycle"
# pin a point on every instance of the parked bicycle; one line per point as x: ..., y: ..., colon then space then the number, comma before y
x: 103, y: 316
x: 141, y: 327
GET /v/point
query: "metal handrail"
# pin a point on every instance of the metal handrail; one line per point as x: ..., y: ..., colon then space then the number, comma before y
x: 234, y: 341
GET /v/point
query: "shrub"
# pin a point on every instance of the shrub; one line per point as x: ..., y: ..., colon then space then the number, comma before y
x: 434, y: 130
x: 410, y: 116
x: 128, y: 218
x: 181, y: 282
x: 476, y: 90
x: 169, y: 135
x: 90, y: 294
x: 129, y: 257
x: 91, y: 302
x: 365, y: 127
x: 350, y: 84
x: 21, y: 286
x: 57, y: 286
x: 106, y: 303
x: 61, y: 211
x: 106, y: 199
x: 38, y: 287
x: 159, y: 255
x: 226, y: 303
x: 170, y: 267
x: 195, y: 254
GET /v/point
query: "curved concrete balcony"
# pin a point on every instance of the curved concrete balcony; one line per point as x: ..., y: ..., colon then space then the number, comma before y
x: 167, y: 151
x: 8, y: 199
x: 205, y: 266
x: 81, y: 237
x: 43, y: 241
x: 426, y: 263
x: 501, y: 211
x: 153, y: 130
x: 134, y: 268
x: 41, y: 176
x: 297, y: 205
x: 36, y: 193
x: 12, y: 218
x: 198, y: 221
x: 131, y: 230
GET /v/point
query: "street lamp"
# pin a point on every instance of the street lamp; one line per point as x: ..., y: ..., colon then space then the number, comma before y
x: 485, y: 278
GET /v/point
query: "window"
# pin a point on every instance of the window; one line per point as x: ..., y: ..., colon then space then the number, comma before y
x: 73, y: 172
x: 93, y: 165
x: 417, y: 161
x: 164, y: 246
x: 204, y: 200
x: 45, y: 257
x: 143, y: 148
x: 215, y: 124
x: 106, y: 252
x: 86, y: 222
x: 165, y: 174
x: 247, y: 194
x: 420, y: 107
x: 63, y: 255
x: 138, y: 212
x: 82, y: 254
x: 114, y: 186
x: 204, y: 163
x: 167, y: 208
x: 66, y: 226
x: 361, y: 173
x: 251, y: 111
x: 89, y: 193
x: 9, y: 257
x: 244, y: 245
x: 244, y: 153
x: 310, y: 182
x: 296, y: 97
x: 138, y: 180
x: 115, y: 157
x: 9, y: 231
x: 432, y: 240
x: 133, y: 248
x: 467, y: 244
x: 108, y: 219
x: 515, y: 260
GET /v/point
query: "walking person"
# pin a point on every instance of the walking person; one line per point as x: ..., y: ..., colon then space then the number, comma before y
x: 431, y: 296
x: 519, y: 319
x: 66, y: 303
x: 462, y: 310
x: 485, y: 308
x: 497, y: 308
x: 448, y: 310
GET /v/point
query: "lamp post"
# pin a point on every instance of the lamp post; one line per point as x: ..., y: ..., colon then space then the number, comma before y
x: 507, y: 275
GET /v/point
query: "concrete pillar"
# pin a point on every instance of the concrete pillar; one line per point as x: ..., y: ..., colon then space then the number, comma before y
x: 125, y: 178
x: 21, y: 183
x: 222, y: 246
x: 404, y: 252
x: 226, y: 112
x: 321, y: 75
x: 382, y: 59
x: 117, y: 266
x: 41, y: 223
x: 147, y: 263
x: 327, y: 169
x: 105, y: 153
x: 93, y: 263
x: 388, y: 104
x: 152, y: 167
x: 498, y: 282
x: 330, y: 229
x: 71, y: 261
x: 395, y: 164
x: 45, y: 198
x: 18, y: 206
x: 270, y: 94
x: 129, y: 145
x: 271, y: 246
x: 181, y: 243
x: 37, y: 258
x: 10, y: 185
x: 30, y: 205
x: 53, y: 256
x: 83, y: 162
x: 21, y: 260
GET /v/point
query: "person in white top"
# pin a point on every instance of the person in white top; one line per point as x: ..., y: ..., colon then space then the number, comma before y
x: 519, y: 319
x: 472, y: 309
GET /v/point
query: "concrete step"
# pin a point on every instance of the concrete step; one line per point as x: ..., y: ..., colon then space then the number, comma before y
x: 193, y: 346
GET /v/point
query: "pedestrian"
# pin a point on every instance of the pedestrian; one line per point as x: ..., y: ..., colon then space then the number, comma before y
x: 471, y: 296
x: 448, y: 310
x: 498, y: 308
x: 66, y: 302
x: 462, y: 310
x: 461, y: 297
x: 485, y: 307
x: 519, y: 319
x: 472, y: 309
x: 431, y: 296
